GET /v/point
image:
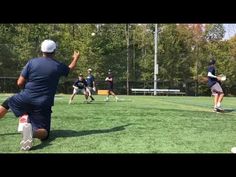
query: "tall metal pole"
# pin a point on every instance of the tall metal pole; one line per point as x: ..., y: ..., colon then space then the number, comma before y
x: 155, y: 62
x: 127, y: 40
x: 196, y: 94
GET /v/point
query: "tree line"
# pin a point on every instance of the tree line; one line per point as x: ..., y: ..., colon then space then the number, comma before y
x: 183, y: 53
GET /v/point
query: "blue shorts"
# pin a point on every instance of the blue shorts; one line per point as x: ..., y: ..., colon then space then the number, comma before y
x: 110, y: 87
x: 216, y: 89
x: 39, y: 116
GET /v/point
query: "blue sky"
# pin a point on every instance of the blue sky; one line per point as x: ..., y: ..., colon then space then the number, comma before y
x: 230, y: 30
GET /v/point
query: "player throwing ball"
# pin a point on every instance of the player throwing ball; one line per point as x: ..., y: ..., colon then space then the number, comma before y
x: 214, y: 83
x: 38, y: 80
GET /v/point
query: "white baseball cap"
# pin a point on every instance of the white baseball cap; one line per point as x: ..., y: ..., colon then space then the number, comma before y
x: 48, y: 46
x: 89, y: 69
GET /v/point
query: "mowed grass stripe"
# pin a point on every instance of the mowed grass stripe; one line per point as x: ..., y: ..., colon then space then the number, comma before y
x: 136, y: 124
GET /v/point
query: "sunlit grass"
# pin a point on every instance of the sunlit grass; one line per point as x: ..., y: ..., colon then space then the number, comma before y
x: 135, y: 124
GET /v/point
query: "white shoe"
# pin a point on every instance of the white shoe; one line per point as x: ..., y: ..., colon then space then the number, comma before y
x: 233, y: 150
x: 27, y: 139
x: 22, y: 121
x: 218, y: 109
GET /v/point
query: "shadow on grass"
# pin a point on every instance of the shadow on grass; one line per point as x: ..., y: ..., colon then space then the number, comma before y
x: 229, y: 110
x: 72, y: 133
x: 101, y: 101
x: 6, y: 134
x: 89, y: 103
x: 124, y: 100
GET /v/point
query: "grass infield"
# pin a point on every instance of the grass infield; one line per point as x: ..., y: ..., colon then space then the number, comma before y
x: 134, y: 124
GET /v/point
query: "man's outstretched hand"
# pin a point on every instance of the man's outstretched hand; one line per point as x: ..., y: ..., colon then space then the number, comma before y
x: 76, y: 55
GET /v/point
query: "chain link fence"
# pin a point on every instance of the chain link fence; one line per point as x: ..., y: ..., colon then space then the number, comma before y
x: 190, y: 88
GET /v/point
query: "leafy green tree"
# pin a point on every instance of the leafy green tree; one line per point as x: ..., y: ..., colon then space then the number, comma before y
x: 214, y: 32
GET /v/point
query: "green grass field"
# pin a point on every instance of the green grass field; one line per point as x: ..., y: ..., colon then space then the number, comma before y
x: 135, y: 124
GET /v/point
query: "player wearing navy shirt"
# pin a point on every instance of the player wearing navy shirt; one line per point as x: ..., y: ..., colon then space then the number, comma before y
x: 38, y: 80
x: 80, y: 86
x: 109, y: 80
x: 91, y: 84
x: 215, y: 85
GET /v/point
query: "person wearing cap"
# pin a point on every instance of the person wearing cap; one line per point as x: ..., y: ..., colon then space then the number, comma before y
x: 91, y: 84
x: 38, y: 81
x: 215, y: 85
x: 109, y: 80
x: 80, y: 86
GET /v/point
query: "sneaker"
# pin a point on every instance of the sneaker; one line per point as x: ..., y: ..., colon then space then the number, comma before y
x: 216, y: 111
x: 220, y: 109
x: 22, y: 121
x: 233, y: 150
x: 117, y: 99
x: 27, y: 140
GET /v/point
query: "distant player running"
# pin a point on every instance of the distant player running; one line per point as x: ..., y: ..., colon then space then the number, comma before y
x: 91, y: 84
x: 215, y: 85
x: 80, y: 85
x: 109, y: 80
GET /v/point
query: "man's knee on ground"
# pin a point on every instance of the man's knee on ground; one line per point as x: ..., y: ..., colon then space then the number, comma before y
x: 41, y: 134
x: 4, y: 108
x: 3, y: 111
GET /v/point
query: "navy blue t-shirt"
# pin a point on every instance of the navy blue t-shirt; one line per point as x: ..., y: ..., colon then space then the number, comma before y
x: 81, y: 84
x: 90, y: 79
x: 212, y: 81
x: 42, y: 76
x: 110, y: 83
